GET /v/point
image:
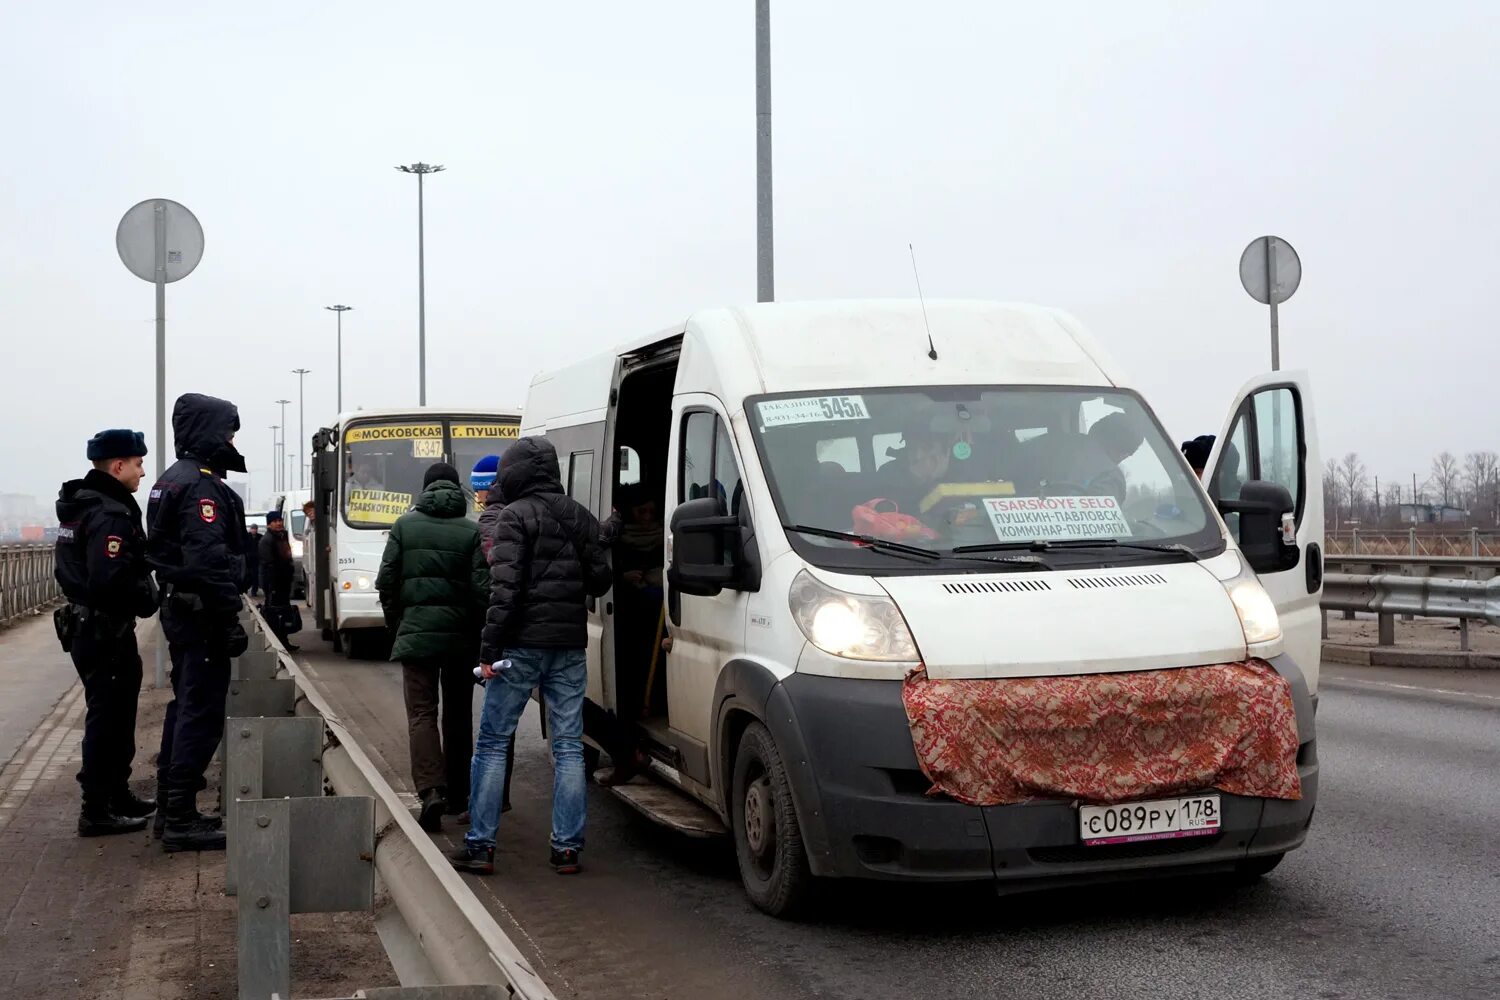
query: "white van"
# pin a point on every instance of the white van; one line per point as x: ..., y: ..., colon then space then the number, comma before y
x: 761, y: 435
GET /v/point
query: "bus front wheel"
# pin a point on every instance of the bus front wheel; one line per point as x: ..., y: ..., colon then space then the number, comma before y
x: 767, y: 839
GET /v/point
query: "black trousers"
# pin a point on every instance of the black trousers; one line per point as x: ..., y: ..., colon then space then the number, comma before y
x: 110, y: 669
x: 195, y: 716
x: 440, y: 754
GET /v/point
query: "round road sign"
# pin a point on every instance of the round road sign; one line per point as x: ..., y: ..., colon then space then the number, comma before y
x: 1287, y: 266
x: 182, y: 236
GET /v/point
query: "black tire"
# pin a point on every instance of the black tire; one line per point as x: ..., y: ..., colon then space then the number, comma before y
x: 1252, y: 869
x: 767, y: 839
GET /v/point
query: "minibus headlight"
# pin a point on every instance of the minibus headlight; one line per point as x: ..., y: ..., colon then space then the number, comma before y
x: 1256, y: 610
x: 856, y: 626
x: 364, y: 583
x: 296, y: 548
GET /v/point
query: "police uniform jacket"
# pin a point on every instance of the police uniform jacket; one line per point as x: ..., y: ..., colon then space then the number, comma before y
x: 197, y: 525
x: 101, y: 548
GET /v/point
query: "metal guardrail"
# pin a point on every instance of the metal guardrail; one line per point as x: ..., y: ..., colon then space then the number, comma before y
x: 1457, y: 567
x: 436, y: 933
x: 27, y: 583
x: 1389, y: 594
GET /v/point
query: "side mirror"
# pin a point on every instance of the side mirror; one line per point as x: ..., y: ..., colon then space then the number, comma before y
x: 1268, y: 536
x: 701, y: 535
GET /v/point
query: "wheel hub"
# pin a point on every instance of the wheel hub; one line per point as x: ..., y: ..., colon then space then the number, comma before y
x: 760, y: 818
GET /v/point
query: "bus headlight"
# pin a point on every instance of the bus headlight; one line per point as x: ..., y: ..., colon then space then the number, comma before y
x: 364, y: 583
x: 855, y: 626
x: 296, y: 548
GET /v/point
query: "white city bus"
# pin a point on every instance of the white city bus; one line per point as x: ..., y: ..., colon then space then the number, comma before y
x: 367, y: 472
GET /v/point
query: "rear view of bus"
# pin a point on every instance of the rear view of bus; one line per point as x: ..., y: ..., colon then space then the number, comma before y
x: 367, y: 472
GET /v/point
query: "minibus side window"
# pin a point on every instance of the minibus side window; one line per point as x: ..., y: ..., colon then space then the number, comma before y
x: 708, y: 465
x: 581, y: 477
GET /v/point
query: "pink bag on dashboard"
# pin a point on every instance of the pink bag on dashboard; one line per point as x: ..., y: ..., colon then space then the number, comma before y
x: 881, y: 519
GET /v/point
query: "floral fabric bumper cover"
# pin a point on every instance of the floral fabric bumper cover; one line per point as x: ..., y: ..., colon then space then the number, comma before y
x: 1104, y: 738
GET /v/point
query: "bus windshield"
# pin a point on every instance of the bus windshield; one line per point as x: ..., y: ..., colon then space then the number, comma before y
x: 384, y: 462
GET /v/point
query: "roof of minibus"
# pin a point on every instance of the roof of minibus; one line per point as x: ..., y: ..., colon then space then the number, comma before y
x: 821, y: 346
x: 427, y: 413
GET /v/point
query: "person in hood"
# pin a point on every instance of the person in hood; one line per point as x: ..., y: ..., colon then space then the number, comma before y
x: 1197, y: 451
x: 101, y: 568
x: 276, y: 572
x: 432, y: 584
x: 196, y: 545
x: 545, y: 562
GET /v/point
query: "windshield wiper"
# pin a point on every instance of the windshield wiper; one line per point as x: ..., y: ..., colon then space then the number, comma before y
x: 867, y: 540
x: 1046, y: 545
x: 900, y: 548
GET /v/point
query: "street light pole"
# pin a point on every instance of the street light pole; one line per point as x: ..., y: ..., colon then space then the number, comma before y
x: 421, y: 170
x: 275, y: 458
x: 280, y: 465
x: 339, y: 312
x: 301, y: 374
x: 764, y: 219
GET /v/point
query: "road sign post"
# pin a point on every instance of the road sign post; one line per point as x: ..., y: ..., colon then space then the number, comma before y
x: 1270, y: 270
x: 160, y: 241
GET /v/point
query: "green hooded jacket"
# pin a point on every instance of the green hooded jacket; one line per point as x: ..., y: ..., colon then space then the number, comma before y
x: 433, y: 580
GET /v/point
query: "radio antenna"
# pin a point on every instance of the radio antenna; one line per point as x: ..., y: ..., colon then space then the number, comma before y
x: 931, y: 350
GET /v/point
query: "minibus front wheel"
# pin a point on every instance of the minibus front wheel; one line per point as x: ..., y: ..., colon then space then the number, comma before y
x: 767, y: 839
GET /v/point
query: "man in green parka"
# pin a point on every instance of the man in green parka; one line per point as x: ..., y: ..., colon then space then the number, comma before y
x: 434, y: 587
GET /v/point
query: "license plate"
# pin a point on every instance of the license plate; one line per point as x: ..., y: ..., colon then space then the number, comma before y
x: 1162, y: 819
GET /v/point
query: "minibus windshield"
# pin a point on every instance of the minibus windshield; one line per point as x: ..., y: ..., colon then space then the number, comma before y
x: 1086, y: 472
x: 383, y: 468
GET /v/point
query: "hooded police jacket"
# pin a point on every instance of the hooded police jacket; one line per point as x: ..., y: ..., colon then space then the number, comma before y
x: 196, y: 524
x: 101, y: 549
x: 545, y: 558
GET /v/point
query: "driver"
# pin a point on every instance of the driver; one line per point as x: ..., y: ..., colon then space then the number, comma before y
x: 921, y: 464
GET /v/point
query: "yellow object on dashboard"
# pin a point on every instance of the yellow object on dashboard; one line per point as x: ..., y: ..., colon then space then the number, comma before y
x: 952, y: 491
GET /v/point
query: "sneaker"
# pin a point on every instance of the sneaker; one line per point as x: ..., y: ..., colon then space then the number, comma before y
x: 475, y: 860
x: 431, y: 816
x: 565, y: 862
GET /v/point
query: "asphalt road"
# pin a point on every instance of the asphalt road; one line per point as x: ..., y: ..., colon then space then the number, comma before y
x: 1397, y: 893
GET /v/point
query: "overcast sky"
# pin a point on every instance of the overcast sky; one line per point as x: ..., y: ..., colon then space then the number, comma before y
x: 1110, y: 159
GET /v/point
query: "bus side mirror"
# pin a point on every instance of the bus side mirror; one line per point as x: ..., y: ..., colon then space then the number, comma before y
x: 1265, y: 509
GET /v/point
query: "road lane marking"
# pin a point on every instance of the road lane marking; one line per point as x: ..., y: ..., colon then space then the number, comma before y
x: 1350, y: 682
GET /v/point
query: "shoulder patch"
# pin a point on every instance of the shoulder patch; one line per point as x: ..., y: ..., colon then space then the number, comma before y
x: 208, y: 510
x: 112, y: 545
x: 156, y: 493
x: 65, y: 531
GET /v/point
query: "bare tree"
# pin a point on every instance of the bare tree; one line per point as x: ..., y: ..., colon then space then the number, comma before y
x: 1355, y: 482
x: 1392, y: 510
x: 1445, y: 477
x: 1481, y: 481
x: 1333, y: 491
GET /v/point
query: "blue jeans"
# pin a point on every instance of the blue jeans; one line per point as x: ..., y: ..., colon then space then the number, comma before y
x: 562, y: 674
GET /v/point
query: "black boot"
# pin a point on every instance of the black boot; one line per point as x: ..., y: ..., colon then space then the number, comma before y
x: 97, y: 819
x: 159, y: 823
x: 127, y: 803
x: 185, y: 829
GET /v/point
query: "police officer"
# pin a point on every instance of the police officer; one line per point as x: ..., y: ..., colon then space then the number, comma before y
x: 196, y: 546
x: 101, y: 567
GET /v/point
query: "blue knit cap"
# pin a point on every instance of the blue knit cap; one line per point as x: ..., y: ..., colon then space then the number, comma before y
x: 483, y: 476
x: 117, y: 443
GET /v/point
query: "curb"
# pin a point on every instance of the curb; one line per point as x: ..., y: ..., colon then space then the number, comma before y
x: 1386, y: 656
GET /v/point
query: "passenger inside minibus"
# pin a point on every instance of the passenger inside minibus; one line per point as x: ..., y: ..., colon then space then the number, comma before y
x: 642, y: 429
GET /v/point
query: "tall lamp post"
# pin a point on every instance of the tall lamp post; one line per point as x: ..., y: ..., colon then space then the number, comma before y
x: 421, y: 170
x: 275, y: 457
x: 281, y: 464
x: 339, y: 312
x: 765, y: 265
x: 301, y: 374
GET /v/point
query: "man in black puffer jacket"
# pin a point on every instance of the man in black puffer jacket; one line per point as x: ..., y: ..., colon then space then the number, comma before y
x: 545, y: 562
